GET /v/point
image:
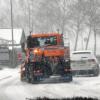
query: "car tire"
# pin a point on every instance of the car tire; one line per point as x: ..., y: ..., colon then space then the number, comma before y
x: 96, y: 72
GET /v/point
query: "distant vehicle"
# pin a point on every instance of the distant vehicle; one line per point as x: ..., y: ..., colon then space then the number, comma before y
x: 4, y: 55
x: 46, y: 57
x: 84, y: 63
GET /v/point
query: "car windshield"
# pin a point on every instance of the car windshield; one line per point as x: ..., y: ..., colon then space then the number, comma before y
x: 81, y: 54
x: 42, y: 41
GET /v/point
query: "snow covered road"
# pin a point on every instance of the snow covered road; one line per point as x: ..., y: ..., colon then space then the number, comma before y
x: 11, y: 88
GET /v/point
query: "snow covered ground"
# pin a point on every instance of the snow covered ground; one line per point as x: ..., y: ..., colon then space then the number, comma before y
x: 11, y: 88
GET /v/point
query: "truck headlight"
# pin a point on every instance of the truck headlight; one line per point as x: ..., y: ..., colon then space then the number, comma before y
x: 35, y: 51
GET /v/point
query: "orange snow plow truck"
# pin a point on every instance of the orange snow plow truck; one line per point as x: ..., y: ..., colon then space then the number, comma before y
x: 46, y: 58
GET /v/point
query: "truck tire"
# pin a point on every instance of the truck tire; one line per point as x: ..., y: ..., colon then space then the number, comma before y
x: 21, y: 77
x: 28, y: 79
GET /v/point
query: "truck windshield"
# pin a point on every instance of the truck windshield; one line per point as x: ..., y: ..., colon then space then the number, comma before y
x: 42, y: 41
x: 47, y: 41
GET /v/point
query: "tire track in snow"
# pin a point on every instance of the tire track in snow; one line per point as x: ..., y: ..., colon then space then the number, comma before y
x: 6, y: 77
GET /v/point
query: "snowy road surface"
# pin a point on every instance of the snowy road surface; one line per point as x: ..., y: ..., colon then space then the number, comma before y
x: 11, y: 88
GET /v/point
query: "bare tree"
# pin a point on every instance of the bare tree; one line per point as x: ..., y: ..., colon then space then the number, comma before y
x: 77, y: 18
x: 92, y: 12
